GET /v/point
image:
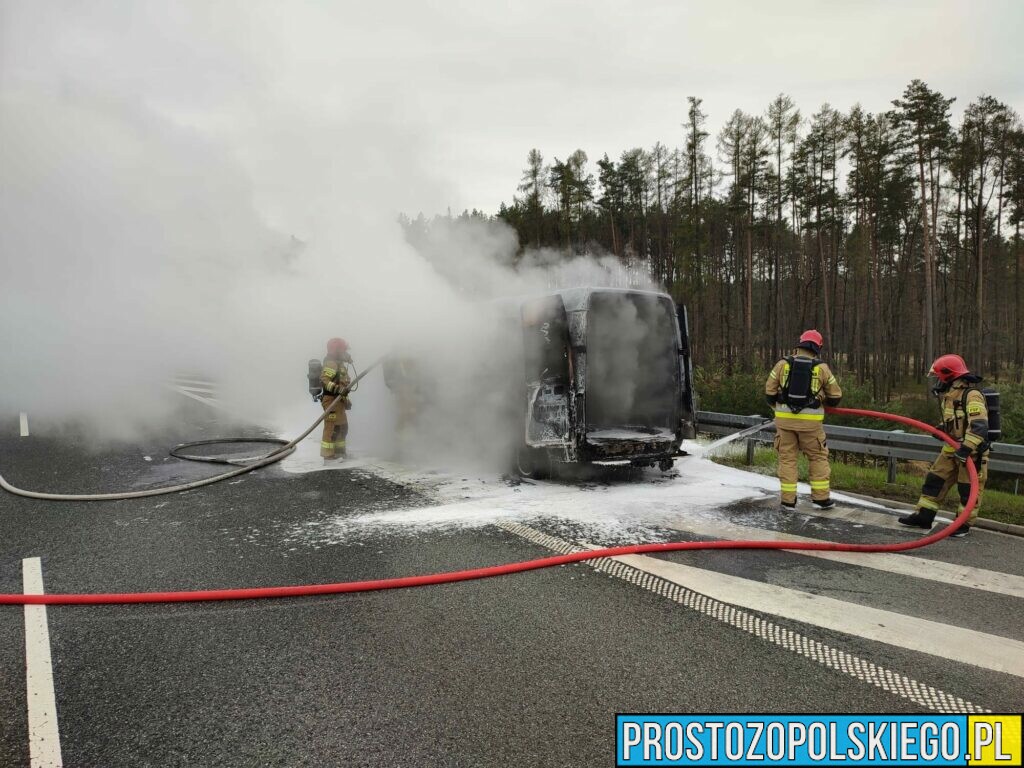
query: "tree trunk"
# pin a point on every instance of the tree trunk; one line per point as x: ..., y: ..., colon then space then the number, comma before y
x: 929, y: 266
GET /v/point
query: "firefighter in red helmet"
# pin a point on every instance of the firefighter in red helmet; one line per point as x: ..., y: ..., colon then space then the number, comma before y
x: 965, y: 418
x: 335, y: 379
x: 798, y: 389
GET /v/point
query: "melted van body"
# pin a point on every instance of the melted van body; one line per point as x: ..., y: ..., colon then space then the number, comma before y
x: 570, y: 377
x: 607, y: 378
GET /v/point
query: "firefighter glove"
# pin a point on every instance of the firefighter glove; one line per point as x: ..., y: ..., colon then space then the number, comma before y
x: 963, y: 453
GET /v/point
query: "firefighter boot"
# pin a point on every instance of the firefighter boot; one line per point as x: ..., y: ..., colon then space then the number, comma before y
x: 922, y: 518
x: 824, y: 503
x: 960, y: 532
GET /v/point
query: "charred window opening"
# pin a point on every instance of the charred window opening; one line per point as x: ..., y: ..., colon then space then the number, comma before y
x: 545, y: 341
x: 632, y: 362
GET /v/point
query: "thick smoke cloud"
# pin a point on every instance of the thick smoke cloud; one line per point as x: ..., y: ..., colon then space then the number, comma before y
x: 133, y: 251
x: 146, y: 234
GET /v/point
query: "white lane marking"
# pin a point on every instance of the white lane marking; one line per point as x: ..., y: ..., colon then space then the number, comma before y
x: 1000, y: 654
x: 197, y: 390
x: 212, y: 402
x: 1007, y: 584
x: 833, y: 658
x: 866, y: 516
x: 24, y: 424
x: 43, y: 731
x: 197, y: 382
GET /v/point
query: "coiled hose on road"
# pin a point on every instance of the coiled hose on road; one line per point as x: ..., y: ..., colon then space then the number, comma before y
x: 286, y: 449
x: 307, y: 590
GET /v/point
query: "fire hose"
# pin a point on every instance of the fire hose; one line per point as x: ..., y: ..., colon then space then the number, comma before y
x: 255, y: 462
x: 306, y: 590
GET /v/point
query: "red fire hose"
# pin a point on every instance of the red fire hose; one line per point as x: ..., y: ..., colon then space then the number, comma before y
x: 306, y: 590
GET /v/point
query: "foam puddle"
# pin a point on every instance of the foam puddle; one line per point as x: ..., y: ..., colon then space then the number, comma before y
x: 619, y: 511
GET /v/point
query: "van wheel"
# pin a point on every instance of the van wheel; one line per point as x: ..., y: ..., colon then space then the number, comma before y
x: 532, y: 463
x: 666, y: 464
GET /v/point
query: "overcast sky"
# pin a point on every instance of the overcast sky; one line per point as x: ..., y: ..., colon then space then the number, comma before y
x: 456, y: 93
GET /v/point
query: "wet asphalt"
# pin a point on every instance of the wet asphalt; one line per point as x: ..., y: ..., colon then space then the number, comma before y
x: 526, y: 670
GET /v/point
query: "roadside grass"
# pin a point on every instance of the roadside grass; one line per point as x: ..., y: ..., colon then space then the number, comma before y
x: 871, y: 481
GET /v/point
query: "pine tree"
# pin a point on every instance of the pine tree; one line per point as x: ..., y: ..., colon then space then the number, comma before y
x: 985, y: 120
x: 783, y: 119
x: 532, y: 186
x: 922, y: 116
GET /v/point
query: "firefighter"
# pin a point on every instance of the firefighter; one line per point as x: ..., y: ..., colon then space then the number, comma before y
x: 798, y: 389
x: 402, y: 377
x: 965, y: 418
x: 334, y: 378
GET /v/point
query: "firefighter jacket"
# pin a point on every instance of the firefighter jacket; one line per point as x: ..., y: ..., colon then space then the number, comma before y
x: 824, y: 387
x: 334, y: 378
x: 965, y: 417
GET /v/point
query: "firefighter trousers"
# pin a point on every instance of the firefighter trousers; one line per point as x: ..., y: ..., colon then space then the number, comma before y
x: 945, y: 472
x: 790, y: 444
x: 332, y: 444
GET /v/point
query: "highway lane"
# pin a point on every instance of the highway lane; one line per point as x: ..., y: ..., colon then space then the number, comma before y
x: 526, y: 669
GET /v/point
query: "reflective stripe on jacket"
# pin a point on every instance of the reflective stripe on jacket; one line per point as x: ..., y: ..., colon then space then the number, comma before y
x: 823, y: 384
x: 334, y: 376
x: 965, y: 420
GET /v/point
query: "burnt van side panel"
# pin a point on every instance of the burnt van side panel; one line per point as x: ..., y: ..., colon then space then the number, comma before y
x: 547, y: 373
x: 578, y: 363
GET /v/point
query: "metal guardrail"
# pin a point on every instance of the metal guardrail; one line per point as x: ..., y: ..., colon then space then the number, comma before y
x: 893, y: 445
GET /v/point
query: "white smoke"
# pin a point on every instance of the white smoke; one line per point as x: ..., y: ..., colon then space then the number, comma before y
x: 140, y: 239
x: 482, y: 259
x: 132, y: 251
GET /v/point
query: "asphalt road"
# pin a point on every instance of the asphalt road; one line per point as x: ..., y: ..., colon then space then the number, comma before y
x: 525, y: 669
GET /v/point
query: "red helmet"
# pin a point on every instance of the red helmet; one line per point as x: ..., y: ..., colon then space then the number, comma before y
x: 949, y: 368
x: 813, y: 337
x: 337, y: 346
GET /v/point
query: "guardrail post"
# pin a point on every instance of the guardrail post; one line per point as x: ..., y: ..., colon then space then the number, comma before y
x: 750, y: 452
x: 890, y: 475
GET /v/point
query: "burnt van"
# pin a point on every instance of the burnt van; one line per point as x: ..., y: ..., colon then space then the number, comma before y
x: 607, y: 379
x: 571, y: 377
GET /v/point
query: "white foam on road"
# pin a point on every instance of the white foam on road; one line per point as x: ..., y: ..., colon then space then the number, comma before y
x: 306, y: 458
x: 622, y: 512
x: 43, y: 731
x: 24, y: 424
x: 645, y: 508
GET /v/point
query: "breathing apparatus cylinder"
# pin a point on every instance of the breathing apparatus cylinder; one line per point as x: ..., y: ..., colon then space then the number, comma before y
x: 995, y: 431
x: 316, y: 390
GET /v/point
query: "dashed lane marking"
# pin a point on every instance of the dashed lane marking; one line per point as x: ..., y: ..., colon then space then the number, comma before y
x: 946, y: 641
x: 24, y: 424
x: 833, y: 658
x: 1007, y: 584
x: 43, y: 731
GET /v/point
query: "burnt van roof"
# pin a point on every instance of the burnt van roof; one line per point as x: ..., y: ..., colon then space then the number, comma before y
x: 576, y: 299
